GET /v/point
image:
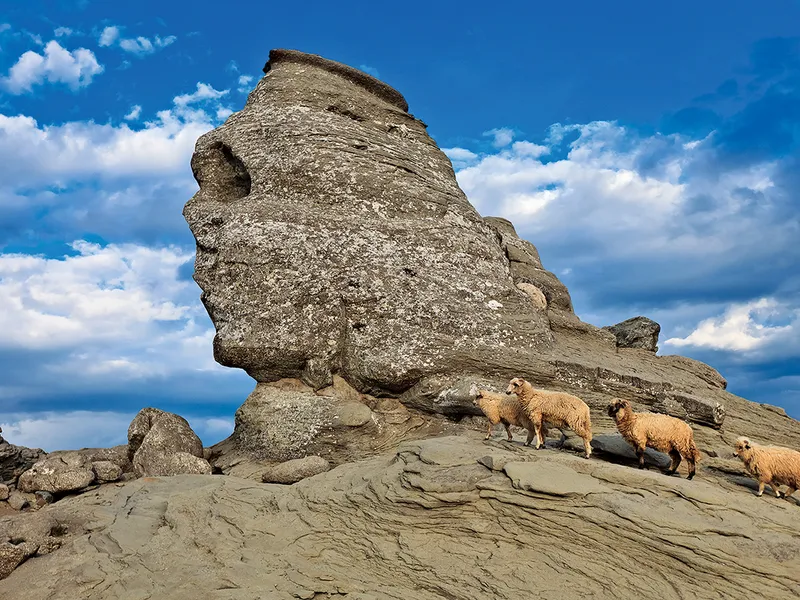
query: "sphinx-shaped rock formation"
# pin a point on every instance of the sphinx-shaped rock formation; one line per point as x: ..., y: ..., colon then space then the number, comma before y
x: 333, y: 241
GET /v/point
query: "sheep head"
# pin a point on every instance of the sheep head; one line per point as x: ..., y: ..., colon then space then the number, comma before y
x: 618, y: 409
x: 742, y: 447
x: 515, y: 385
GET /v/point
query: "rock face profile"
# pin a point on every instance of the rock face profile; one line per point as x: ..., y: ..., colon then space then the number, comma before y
x: 334, y: 242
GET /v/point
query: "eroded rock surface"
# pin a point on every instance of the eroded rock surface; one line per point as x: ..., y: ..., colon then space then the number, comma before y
x: 162, y: 443
x: 333, y: 242
x: 425, y: 522
x: 58, y: 474
x: 638, y: 332
x: 15, y: 460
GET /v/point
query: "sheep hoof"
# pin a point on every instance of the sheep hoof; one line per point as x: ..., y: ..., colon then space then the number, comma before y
x: 690, y: 477
x: 669, y: 472
x: 758, y: 494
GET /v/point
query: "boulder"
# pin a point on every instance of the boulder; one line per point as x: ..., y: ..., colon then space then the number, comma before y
x: 638, y: 332
x: 3, y: 491
x: 59, y: 474
x: 10, y: 558
x: 295, y: 470
x: 106, y: 471
x: 21, y: 500
x: 162, y: 443
x: 15, y: 460
x: 117, y: 455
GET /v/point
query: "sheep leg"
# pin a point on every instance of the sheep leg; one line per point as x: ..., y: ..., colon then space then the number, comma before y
x: 692, y: 469
x: 775, y: 489
x: 489, y: 433
x: 640, y: 456
x: 676, y: 461
x: 760, y: 488
x: 539, y: 437
x: 587, y: 447
x: 508, y: 431
x: 531, y: 434
x: 789, y: 492
x: 562, y: 440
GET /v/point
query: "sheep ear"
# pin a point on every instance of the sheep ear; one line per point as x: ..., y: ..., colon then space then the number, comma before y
x: 747, y: 446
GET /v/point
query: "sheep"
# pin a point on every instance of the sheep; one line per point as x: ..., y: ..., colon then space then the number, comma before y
x: 657, y: 431
x: 770, y: 464
x: 501, y: 409
x: 560, y: 409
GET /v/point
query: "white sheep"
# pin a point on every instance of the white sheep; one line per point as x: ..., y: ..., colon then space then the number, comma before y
x: 499, y: 408
x: 560, y: 409
x: 660, y: 432
x: 774, y: 465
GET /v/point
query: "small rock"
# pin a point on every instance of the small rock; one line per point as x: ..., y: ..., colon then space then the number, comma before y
x: 535, y: 294
x: 18, y: 500
x: 162, y: 443
x: 293, y: 471
x: 43, y: 498
x: 3, y: 492
x: 10, y: 558
x: 106, y: 471
x: 352, y: 414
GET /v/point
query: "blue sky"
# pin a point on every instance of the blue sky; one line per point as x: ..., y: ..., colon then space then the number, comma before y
x: 651, y: 154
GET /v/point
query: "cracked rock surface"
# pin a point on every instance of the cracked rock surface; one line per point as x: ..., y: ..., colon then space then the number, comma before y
x: 428, y: 521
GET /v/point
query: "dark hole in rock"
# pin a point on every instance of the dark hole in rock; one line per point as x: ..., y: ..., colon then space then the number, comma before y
x: 360, y: 146
x: 16, y: 541
x: 359, y: 326
x: 58, y: 530
x: 215, y: 470
x: 410, y: 272
x: 221, y: 173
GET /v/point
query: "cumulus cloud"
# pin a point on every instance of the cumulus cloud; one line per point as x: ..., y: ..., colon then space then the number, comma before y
x: 744, y: 327
x: 501, y: 137
x: 139, y: 46
x: 73, y: 430
x: 109, y: 35
x: 63, y: 32
x: 75, y: 69
x: 134, y: 114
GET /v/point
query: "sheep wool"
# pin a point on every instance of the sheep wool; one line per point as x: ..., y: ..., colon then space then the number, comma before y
x: 562, y: 410
x: 773, y: 465
x: 500, y: 408
x: 660, y: 432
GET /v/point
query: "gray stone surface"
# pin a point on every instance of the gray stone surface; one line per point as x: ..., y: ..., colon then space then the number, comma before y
x: 19, y: 500
x: 332, y: 237
x: 3, y: 491
x: 15, y: 460
x: 106, y: 471
x: 163, y: 443
x: 295, y: 470
x: 638, y: 332
x: 66, y: 472
x: 425, y: 522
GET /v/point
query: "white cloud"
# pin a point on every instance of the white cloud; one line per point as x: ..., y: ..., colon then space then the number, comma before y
x: 142, y: 45
x: 109, y: 35
x: 72, y: 430
x: 4, y: 27
x: 203, y: 92
x: 139, y: 45
x: 742, y: 327
x: 371, y: 70
x: 134, y: 114
x: 74, y: 151
x: 244, y: 83
x: 63, y: 32
x: 502, y: 136
x: 58, y: 65
x: 110, y: 293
